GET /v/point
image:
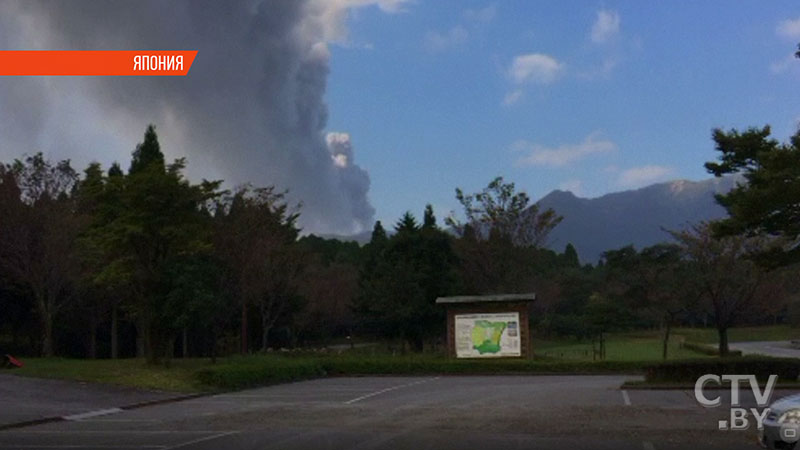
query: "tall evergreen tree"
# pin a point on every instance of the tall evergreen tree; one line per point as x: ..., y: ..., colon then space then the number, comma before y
x: 378, y: 234
x: 156, y: 224
x: 401, y: 279
x: 407, y: 223
x: 148, y: 153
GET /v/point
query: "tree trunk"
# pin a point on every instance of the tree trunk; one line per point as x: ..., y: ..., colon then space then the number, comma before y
x: 46, y: 317
x: 723, y: 341
x: 265, y: 335
x: 141, y: 331
x: 244, y: 328
x: 150, y: 341
x: 47, y: 336
x: 665, y: 344
x: 266, y: 326
x: 185, y: 343
x: 214, y: 346
x: 114, y: 337
x: 93, y: 336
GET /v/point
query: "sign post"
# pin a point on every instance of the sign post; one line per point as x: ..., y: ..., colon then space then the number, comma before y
x: 488, y: 326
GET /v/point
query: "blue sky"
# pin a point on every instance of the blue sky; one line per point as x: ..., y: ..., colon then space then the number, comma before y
x: 592, y: 97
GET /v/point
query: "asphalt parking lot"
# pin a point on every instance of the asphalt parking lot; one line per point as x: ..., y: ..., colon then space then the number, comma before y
x: 460, y: 412
x: 30, y: 399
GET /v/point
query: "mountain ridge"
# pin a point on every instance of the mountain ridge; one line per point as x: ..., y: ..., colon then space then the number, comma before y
x: 638, y: 217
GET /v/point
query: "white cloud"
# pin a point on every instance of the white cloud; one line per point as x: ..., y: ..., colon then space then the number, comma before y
x: 536, y: 68
x: 789, y: 28
x: 605, y: 27
x: 644, y: 175
x: 329, y: 16
x: 437, y: 42
x: 512, y: 97
x: 538, y: 155
x: 484, y: 15
x: 574, y: 186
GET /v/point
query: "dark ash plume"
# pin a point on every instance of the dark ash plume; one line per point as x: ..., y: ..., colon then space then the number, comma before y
x: 251, y: 110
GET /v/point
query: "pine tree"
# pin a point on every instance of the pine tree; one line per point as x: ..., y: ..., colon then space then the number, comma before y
x: 148, y: 153
x: 378, y: 234
x: 406, y: 224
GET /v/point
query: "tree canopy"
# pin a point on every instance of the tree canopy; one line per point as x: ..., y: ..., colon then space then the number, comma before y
x: 766, y: 202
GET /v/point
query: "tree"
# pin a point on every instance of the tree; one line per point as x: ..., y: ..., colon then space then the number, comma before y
x: 39, y: 229
x: 401, y: 278
x: 429, y: 219
x: 89, y: 198
x: 570, y: 256
x: 378, y: 234
x: 256, y: 240
x: 158, y: 221
x: 722, y: 273
x: 500, y: 239
x: 499, y: 209
x: 652, y: 282
x: 148, y: 153
x: 407, y: 224
x: 766, y: 205
x: 329, y: 290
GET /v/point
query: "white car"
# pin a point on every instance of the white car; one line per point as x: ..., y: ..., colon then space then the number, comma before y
x: 782, y: 425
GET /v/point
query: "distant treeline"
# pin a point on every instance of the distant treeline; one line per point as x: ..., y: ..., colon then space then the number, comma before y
x: 143, y: 262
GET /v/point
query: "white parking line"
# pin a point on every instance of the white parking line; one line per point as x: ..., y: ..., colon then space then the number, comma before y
x: 120, y: 420
x: 625, y: 398
x: 90, y: 414
x: 202, y: 439
x: 648, y: 446
x: 372, y: 394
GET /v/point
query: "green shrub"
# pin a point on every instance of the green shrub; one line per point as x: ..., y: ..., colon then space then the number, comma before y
x: 258, y: 371
x: 787, y: 369
x: 243, y: 372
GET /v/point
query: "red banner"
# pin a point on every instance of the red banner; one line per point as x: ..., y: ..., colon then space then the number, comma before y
x: 96, y: 63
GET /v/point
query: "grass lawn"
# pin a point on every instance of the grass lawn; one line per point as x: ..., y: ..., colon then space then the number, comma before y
x: 744, y: 334
x: 619, y: 347
x: 179, y: 377
x: 646, y: 345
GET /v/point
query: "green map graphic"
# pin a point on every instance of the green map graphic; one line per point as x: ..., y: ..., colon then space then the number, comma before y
x: 486, y: 336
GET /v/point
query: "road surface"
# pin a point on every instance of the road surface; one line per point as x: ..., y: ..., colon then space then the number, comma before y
x: 781, y: 349
x: 458, y: 412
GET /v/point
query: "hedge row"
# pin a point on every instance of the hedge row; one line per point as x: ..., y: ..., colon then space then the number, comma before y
x: 787, y: 369
x: 240, y: 373
x: 250, y: 372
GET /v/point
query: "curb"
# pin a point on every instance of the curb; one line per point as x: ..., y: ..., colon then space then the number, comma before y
x: 66, y: 418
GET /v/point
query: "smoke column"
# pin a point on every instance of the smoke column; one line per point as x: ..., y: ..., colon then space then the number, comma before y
x: 251, y: 110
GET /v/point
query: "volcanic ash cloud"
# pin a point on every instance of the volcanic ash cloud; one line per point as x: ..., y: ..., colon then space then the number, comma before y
x: 251, y: 110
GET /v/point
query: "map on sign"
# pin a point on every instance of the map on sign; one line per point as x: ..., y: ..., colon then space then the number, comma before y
x: 487, y: 335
